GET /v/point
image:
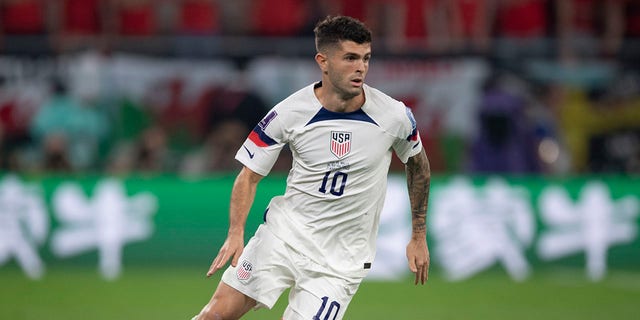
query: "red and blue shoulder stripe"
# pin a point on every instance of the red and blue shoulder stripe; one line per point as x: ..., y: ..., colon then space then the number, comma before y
x: 414, y: 127
x: 260, y: 138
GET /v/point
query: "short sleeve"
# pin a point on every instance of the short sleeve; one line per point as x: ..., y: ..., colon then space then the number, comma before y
x: 262, y: 147
x: 409, y: 143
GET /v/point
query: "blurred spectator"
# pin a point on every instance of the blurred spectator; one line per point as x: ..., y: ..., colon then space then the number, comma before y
x: 195, y: 24
x: 602, y: 126
x: 133, y: 17
x: 66, y: 130
x: 234, y: 17
x: 55, y: 154
x: 131, y: 121
x: 279, y: 18
x: 148, y: 153
x: 137, y: 25
x: 78, y: 24
x: 316, y: 11
x: 228, y: 114
x: 630, y: 48
x: 631, y: 9
x: 14, y: 127
x: 543, y: 111
x: 589, y: 28
x: 197, y: 17
x: 588, y: 118
x: 235, y: 101
x: 353, y: 8
x: 152, y: 153
x: 4, y: 154
x: 217, y: 153
x: 169, y: 108
x: 403, y: 26
x: 470, y: 24
x: 506, y: 142
x: 522, y: 19
x: 416, y: 26
x: 25, y: 18
x: 370, y: 12
x: 522, y: 27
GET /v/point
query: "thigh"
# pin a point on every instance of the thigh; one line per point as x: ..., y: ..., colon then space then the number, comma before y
x: 228, y: 303
x: 263, y: 271
x: 321, y: 297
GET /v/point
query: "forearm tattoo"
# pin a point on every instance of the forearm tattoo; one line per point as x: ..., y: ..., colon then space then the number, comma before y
x: 419, y: 182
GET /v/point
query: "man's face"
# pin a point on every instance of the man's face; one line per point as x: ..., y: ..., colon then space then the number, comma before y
x: 346, y: 66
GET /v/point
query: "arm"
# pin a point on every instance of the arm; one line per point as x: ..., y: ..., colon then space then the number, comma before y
x: 418, y: 182
x: 242, y: 196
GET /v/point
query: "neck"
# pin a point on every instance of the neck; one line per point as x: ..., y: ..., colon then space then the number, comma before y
x: 334, y: 101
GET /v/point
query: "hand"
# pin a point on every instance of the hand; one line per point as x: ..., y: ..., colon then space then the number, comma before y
x: 418, y: 257
x: 232, y: 248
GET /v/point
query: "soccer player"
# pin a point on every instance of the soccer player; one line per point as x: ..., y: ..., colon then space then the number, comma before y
x: 319, y: 237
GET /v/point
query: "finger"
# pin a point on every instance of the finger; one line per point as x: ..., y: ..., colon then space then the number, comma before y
x: 420, y: 273
x: 236, y: 257
x: 221, y: 260
x: 217, y: 263
x: 412, y: 265
x: 426, y: 270
x: 427, y: 266
x: 425, y: 274
x: 212, y: 269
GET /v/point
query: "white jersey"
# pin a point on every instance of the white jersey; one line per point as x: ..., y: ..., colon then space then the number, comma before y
x: 336, y: 187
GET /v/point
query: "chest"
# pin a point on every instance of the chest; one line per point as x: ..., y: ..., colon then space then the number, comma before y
x: 340, y: 143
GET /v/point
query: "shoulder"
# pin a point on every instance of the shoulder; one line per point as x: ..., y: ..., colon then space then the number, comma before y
x: 296, y: 109
x: 299, y: 101
x: 384, y: 108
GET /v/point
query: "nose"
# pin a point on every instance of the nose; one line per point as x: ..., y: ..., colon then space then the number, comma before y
x: 362, y: 65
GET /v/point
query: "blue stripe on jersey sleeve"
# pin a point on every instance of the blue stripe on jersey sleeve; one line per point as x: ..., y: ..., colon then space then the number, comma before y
x: 414, y: 127
x: 264, y: 138
x: 324, y: 115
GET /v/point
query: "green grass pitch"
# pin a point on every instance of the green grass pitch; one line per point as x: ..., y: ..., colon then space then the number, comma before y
x: 179, y: 292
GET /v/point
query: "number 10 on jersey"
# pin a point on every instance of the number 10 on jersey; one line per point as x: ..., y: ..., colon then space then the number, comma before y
x: 338, y: 182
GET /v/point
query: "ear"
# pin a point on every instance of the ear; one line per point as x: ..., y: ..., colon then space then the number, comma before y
x: 321, y: 60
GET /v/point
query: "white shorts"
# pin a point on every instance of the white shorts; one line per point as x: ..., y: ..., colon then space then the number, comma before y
x: 268, y: 266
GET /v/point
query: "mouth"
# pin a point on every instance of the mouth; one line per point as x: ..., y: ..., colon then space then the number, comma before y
x: 357, y: 82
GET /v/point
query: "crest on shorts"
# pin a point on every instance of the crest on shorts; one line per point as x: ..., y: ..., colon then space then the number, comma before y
x: 244, y: 270
x: 340, y: 143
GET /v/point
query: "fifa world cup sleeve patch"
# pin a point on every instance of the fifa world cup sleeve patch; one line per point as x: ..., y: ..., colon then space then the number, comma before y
x: 258, y: 134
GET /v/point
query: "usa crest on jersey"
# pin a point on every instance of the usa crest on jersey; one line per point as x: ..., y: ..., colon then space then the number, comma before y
x: 340, y: 143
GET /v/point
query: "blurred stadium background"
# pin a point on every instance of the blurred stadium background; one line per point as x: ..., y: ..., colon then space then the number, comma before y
x: 119, y: 120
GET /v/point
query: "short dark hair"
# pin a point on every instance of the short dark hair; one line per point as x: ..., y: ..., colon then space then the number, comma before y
x: 334, y: 29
